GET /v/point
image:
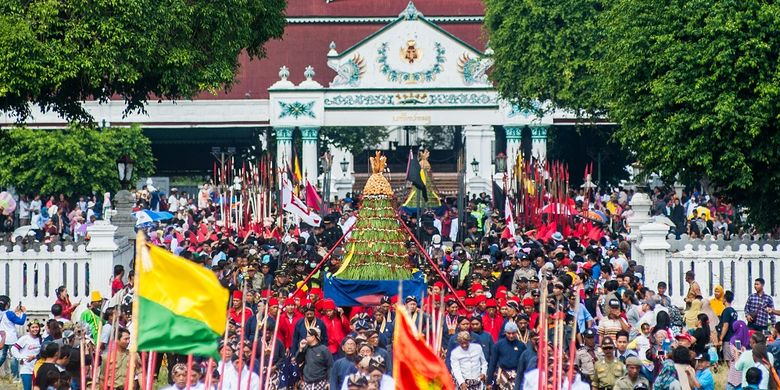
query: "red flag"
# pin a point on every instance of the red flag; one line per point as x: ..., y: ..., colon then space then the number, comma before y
x: 415, y: 365
x: 313, y: 199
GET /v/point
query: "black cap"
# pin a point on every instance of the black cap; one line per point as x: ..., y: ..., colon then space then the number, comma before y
x: 614, y: 303
x: 410, y: 298
x: 589, y: 333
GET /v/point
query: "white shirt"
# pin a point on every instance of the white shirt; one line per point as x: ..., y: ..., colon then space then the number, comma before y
x: 35, y: 205
x: 454, y: 225
x: 468, y: 363
x: 531, y: 381
x: 26, y: 346
x: 37, y: 221
x: 386, y: 383
x: 173, y: 204
x: 231, y: 381
x: 24, y: 209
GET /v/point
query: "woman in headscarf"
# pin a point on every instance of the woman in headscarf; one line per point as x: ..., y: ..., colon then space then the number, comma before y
x: 718, y: 300
x: 731, y: 353
x: 692, y: 314
x: 667, y: 378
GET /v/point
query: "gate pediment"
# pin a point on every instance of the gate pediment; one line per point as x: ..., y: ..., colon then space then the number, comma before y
x: 410, y: 52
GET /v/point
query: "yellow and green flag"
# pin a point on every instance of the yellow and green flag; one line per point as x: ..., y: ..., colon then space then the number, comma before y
x: 181, y: 306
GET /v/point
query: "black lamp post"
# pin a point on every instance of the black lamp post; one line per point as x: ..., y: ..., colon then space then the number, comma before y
x: 344, y: 165
x: 475, y: 166
x: 124, y: 166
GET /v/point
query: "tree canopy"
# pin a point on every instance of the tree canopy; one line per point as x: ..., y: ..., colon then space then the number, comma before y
x: 76, y: 160
x: 546, y: 50
x: 693, y: 85
x: 57, y: 53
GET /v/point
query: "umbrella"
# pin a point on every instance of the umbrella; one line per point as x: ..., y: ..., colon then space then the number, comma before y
x: 7, y: 203
x: 559, y: 208
x: 595, y: 216
x: 21, y: 231
x: 148, y: 216
x: 664, y: 220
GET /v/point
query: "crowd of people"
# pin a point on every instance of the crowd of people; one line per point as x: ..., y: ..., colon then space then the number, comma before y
x: 627, y: 334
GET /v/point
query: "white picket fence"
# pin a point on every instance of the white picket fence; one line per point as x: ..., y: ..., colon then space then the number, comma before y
x: 734, y: 270
x: 32, y: 276
x: 31, y: 272
x: 732, y: 264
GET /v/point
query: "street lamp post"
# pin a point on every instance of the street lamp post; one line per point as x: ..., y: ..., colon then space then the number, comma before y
x: 501, y: 163
x: 125, y: 166
x: 344, y: 166
x: 475, y: 166
x: 123, y: 200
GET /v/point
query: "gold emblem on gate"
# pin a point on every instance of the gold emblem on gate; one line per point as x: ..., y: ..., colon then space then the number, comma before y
x: 411, y: 52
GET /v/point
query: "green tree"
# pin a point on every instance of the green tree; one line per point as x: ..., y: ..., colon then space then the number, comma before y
x: 353, y: 139
x: 57, y: 53
x: 546, y: 51
x: 694, y: 86
x: 76, y: 160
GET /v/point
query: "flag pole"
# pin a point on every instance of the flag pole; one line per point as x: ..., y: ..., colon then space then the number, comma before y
x: 140, y: 241
x: 242, y: 334
x: 82, y: 360
x: 254, y: 342
x: 189, y: 372
x: 150, y: 370
x: 222, y: 358
x: 273, y: 349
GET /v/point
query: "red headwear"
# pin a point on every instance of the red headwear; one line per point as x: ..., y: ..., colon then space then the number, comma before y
x: 289, y: 302
x: 490, y: 303
x: 328, y: 304
x: 315, y: 291
x: 238, y: 294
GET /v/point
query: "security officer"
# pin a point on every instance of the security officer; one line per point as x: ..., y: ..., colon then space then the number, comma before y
x: 585, y: 358
x: 632, y: 380
x: 332, y: 232
x: 608, y: 370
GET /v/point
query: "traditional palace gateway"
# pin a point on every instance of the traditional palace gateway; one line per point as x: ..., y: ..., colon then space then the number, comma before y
x: 352, y: 65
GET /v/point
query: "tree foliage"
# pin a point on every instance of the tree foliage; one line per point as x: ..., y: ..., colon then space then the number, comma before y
x: 353, y: 139
x: 546, y: 50
x: 76, y: 160
x: 693, y: 85
x: 56, y: 53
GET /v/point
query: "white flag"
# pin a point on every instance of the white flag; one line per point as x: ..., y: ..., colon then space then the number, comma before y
x: 296, y: 206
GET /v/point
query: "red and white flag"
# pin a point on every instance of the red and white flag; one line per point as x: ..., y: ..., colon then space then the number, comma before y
x: 509, y: 217
x: 296, y: 206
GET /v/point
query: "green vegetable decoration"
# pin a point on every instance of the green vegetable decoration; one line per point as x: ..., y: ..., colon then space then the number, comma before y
x: 376, y: 248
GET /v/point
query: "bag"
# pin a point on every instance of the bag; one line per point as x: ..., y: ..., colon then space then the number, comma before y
x: 676, y: 316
